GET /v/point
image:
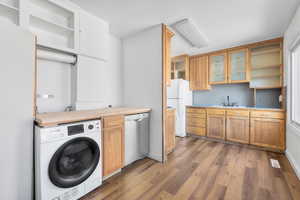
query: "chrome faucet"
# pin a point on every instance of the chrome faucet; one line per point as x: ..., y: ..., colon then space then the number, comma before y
x: 228, y: 102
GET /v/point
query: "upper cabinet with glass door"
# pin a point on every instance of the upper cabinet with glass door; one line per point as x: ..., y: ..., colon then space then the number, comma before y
x: 218, y: 68
x: 180, y: 67
x: 238, y: 71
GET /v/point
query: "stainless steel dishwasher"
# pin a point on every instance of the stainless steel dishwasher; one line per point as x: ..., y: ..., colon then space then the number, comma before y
x: 136, y: 137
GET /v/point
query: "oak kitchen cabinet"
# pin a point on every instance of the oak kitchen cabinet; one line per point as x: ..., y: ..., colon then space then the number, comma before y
x: 180, y: 67
x: 268, y: 129
x: 196, y: 121
x: 170, y: 130
x: 199, y: 73
x: 260, y: 63
x: 218, y: 68
x: 237, y: 126
x: 263, y: 128
x: 113, y: 144
x: 266, y: 65
x: 238, y: 69
x: 216, y: 123
x: 229, y: 66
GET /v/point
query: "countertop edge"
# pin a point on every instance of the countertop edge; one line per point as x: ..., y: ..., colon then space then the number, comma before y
x: 239, y: 108
x: 56, y: 118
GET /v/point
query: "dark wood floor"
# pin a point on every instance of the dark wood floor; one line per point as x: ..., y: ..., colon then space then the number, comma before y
x: 200, y: 169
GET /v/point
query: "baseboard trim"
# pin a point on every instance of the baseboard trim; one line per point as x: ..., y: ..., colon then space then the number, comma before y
x: 155, y: 157
x: 293, y: 163
x: 112, y: 174
x: 236, y: 143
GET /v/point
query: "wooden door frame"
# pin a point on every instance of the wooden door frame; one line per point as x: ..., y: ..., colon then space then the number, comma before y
x: 164, y: 92
x: 164, y: 89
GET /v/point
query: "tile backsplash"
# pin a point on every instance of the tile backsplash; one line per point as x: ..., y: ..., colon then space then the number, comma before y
x: 238, y: 93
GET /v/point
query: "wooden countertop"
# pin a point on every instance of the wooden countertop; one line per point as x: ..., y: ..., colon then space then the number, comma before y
x: 55, y: 118
x: 171, y: 109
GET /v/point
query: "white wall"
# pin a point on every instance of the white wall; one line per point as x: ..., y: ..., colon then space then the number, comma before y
x: 56, y: 78
x: 293, y: 133
x: 53, y: 78
x: 142, y: 56
x: 179, y: 46
x: 114, y: 74
x: 16, y: 106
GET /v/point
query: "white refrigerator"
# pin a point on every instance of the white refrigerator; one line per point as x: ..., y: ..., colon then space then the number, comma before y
x: 179, y: 96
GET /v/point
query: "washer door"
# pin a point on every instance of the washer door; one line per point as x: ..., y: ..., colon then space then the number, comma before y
x: 74, y: 162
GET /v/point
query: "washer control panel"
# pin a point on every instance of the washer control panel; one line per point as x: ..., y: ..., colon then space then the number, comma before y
x: 69, y: 130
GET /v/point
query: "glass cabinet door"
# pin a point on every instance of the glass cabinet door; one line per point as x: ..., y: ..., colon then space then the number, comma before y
x: 238, y: 68
x: 180, y: 67
x: 218, y: 68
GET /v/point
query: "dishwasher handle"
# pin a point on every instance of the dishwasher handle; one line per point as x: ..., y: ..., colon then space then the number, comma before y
x: 138, y: 118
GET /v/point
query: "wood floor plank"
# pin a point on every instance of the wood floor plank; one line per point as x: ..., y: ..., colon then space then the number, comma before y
x: 163, y: 195
x: 235, y: 185
x: 218, y: 192
x: 205, y: 161
x: 204, y: 170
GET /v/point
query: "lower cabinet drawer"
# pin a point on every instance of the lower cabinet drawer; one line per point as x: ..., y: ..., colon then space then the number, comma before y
x: 238, y: 113
x: 113, y: 121
x: 196, y: 115
x: 197, y: 122
x: 266, y: 114
x: 196, y: 110
x: 215, y: 112
x: 196, y: 130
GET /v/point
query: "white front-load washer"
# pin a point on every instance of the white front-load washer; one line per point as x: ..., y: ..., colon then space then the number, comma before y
x: 68, y: 160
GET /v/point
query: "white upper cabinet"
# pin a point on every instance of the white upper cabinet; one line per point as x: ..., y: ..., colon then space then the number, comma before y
x: 91, y: 83
x: 94, y: 36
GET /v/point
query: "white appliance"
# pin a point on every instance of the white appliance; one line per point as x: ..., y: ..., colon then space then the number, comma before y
x: 136, y: 137
x: 179, y: 96
x: 68, y: 161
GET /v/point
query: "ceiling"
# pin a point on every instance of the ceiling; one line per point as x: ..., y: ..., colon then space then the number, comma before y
x: 225, y: 23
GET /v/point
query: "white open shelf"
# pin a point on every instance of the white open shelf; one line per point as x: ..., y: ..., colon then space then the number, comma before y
x: 265, y: 67
x: 60, y: 27
x: 50, y: 26
x: 53, y: 25
x: 12, y: 5
x: 51, y: 39
x: 9, y: 11
x: 267, y: 51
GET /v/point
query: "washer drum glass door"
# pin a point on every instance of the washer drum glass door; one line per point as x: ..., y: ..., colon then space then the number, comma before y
x: 74, y: 162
